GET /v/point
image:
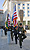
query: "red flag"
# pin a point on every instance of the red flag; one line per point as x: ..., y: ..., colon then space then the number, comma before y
x: 15, y: 17
x: 8, y: 20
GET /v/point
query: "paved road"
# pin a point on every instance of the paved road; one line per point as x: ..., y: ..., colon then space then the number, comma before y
x: 5, y: 46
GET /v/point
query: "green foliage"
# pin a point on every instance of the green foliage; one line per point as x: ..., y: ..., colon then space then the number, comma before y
x: 6, y: 23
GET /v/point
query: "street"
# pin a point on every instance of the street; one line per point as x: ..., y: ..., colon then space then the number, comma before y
x: 12, y: 46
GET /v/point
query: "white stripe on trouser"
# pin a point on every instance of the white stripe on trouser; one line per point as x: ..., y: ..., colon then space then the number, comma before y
x: 8, y: 37
x: 1, y: 32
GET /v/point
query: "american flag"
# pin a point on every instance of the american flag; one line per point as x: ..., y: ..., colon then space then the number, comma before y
x: 14, y: 17
x: 8, y: 20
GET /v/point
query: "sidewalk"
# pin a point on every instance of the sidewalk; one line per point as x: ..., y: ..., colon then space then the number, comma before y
x: 13, y: 46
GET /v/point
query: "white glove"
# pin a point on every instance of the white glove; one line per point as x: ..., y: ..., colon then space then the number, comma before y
x: 17, y: 35
x: 20, y: 32
x: 12, y: 30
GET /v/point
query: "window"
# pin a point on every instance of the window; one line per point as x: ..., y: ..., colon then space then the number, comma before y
x: 28, y: 22
x: 28, y: 11
x: 28, y: 14
x: 24, y: 11
x: 27, y: 7
x: 24, y: 14
x: 18, y: 22
x: 24, y: 22
x: 23, y: 7
x: 23, y: 4
x: 18, y: 4
x: 28, y: 4
x: 18, y: 7
x: 1, y: 13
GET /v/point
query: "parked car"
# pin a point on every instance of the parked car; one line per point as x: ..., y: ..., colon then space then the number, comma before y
x: 26, y: 27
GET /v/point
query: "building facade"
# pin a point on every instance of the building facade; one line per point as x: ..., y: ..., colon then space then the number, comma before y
x: 25, y: 6
x: 2, y: 19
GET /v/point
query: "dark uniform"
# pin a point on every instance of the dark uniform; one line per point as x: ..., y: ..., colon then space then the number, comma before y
x: 9, y: 28
x: 21, y: 34
x: 12, y: 30
x: 5, y: 30
x: 15, y: 33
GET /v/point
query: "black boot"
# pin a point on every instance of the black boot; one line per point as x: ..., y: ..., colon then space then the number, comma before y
x: 12, y: 38
x: 25, y: 37
x: 22, y: 40
x: 20, y: 46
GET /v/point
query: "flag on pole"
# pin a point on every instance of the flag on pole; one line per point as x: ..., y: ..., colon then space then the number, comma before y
x: 14, y: 17
x: 8, y: 20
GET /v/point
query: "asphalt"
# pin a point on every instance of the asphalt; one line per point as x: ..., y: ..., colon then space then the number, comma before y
x: 12, y: 46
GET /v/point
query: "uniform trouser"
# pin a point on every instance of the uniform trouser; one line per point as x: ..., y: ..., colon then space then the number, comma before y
x: 8, y: 37
x: 16, y: 38
x: 12, y: 36
x: 20, y: 40
x: 5, y: 32
x: 24, y: 36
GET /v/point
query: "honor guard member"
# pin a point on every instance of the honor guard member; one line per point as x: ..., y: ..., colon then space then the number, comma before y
x: 9, y: 35
x: 5, y: 30
x: 12, y: 30
x: 21, y: 34
x: 15, y: 33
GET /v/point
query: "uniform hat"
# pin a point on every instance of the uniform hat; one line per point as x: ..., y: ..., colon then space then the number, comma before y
x: 20, y: 23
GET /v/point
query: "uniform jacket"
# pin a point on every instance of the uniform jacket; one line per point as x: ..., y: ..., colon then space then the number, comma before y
x: 15, y: 31
x: 20, y: 29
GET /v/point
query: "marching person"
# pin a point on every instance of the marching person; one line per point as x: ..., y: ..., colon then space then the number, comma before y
x: 21, y: 34
x: 5, y: 30
x: 12, y: 30
x: 9, y: 35
x: 15, y: 33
